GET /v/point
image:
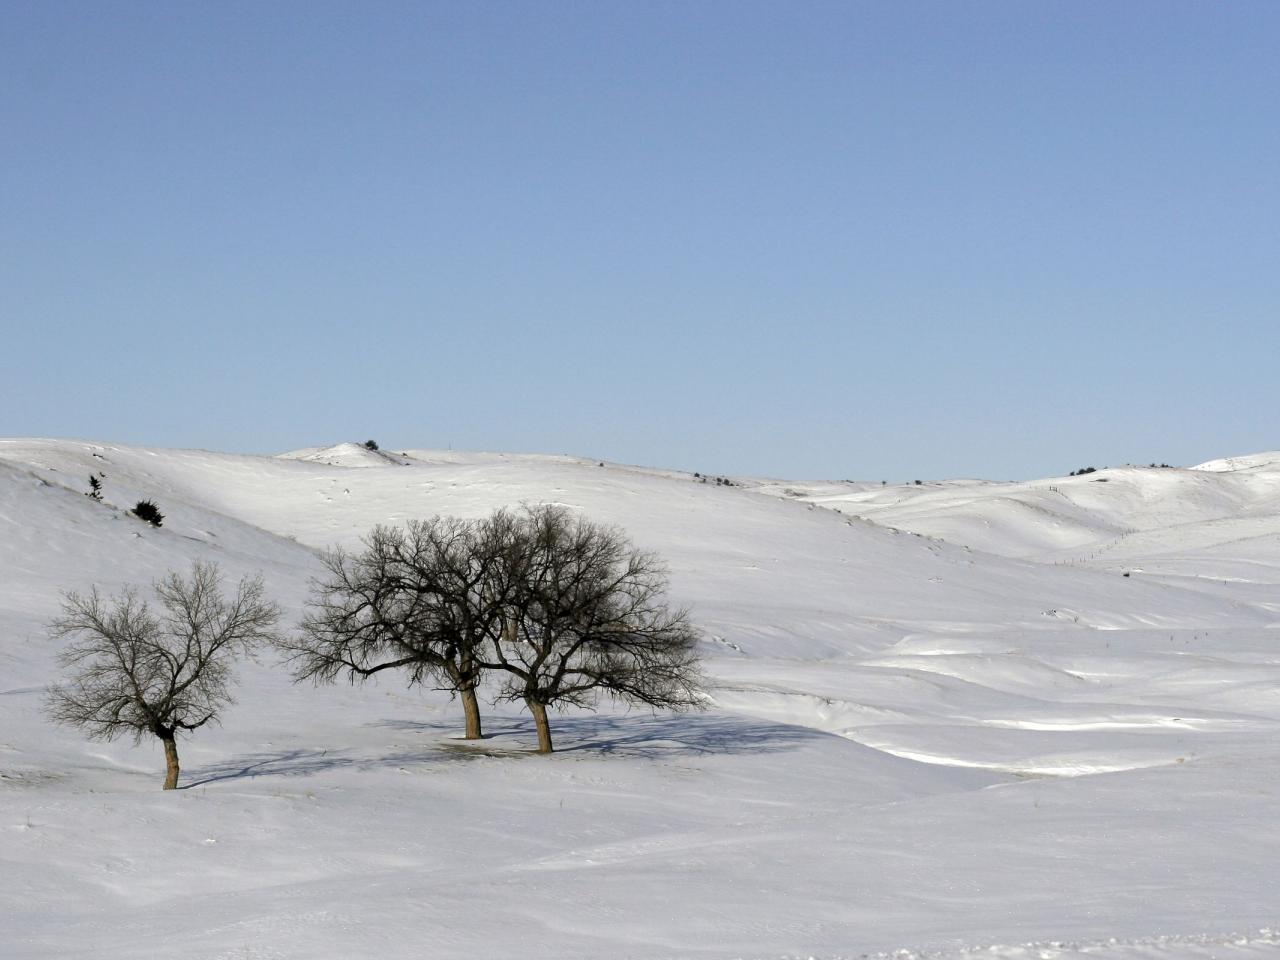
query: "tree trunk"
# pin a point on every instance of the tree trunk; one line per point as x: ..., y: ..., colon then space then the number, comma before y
x: 539, y: 711
x: 471, y: 709
x: 171, y: 761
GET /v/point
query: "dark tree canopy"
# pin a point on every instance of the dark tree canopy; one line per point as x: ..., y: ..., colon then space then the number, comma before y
x: 138, y: 671
x: 148, y: 511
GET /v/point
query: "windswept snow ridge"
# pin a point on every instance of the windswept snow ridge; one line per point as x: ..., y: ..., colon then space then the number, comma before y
x: 1042, y: 717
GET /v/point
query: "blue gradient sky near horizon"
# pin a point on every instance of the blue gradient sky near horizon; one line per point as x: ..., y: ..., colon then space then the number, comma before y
x: 865, y: 240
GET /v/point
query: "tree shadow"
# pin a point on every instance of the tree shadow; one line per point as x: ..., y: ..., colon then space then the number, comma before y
x: 301, y: 763
x: 648, y: 737
x: 668, y: 735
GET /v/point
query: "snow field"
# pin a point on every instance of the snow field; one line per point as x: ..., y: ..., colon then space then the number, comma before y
x: 920, y: 748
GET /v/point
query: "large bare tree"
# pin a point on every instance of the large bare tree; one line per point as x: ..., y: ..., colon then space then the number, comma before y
x: 140, y: 671
x: 588, y: 617
x: 423, y: 599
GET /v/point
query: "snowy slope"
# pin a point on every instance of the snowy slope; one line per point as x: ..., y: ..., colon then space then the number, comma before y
x: 1074, y: 519
x: 948, y: 747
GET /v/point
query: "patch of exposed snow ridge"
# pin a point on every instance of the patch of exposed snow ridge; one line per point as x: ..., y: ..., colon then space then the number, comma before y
x: 1260, y: 944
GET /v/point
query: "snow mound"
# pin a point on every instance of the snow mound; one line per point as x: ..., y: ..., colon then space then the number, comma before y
x: 345, y: 455
x: 1251, y: 462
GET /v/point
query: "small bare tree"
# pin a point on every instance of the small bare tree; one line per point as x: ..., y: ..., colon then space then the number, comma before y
x: 424, y: 599
x: 589, y: 618
x: 136, y: 671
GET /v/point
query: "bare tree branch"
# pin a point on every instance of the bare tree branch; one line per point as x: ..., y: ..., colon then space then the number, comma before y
x: 139, y: 672
x: 565, y: 611
x: 588, y: 618
x: 424, y: 598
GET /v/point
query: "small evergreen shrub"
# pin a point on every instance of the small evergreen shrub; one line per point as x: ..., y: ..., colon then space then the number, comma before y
x: 148, y: 511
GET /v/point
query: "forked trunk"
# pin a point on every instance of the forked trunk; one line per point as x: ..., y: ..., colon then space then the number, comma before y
x: 171, y: 762
x: 539, y: 711
x: 471, y: 710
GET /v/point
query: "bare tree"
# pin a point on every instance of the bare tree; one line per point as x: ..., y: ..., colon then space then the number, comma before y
x: 137, y: 671
x: 424, y: 599
x: 588, y: 617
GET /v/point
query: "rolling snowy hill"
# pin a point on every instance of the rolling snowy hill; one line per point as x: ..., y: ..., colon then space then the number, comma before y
x: 950, y: 720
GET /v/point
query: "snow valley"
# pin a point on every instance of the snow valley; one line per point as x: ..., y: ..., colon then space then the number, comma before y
x: 949, y: 720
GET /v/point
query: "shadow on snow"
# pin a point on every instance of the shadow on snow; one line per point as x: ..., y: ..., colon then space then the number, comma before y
x: 658, y: 737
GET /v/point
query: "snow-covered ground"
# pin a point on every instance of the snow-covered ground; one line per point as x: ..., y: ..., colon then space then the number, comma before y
x: 946, y: 725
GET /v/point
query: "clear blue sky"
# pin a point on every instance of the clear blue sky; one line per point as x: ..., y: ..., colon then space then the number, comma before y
x: 868, y: 240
